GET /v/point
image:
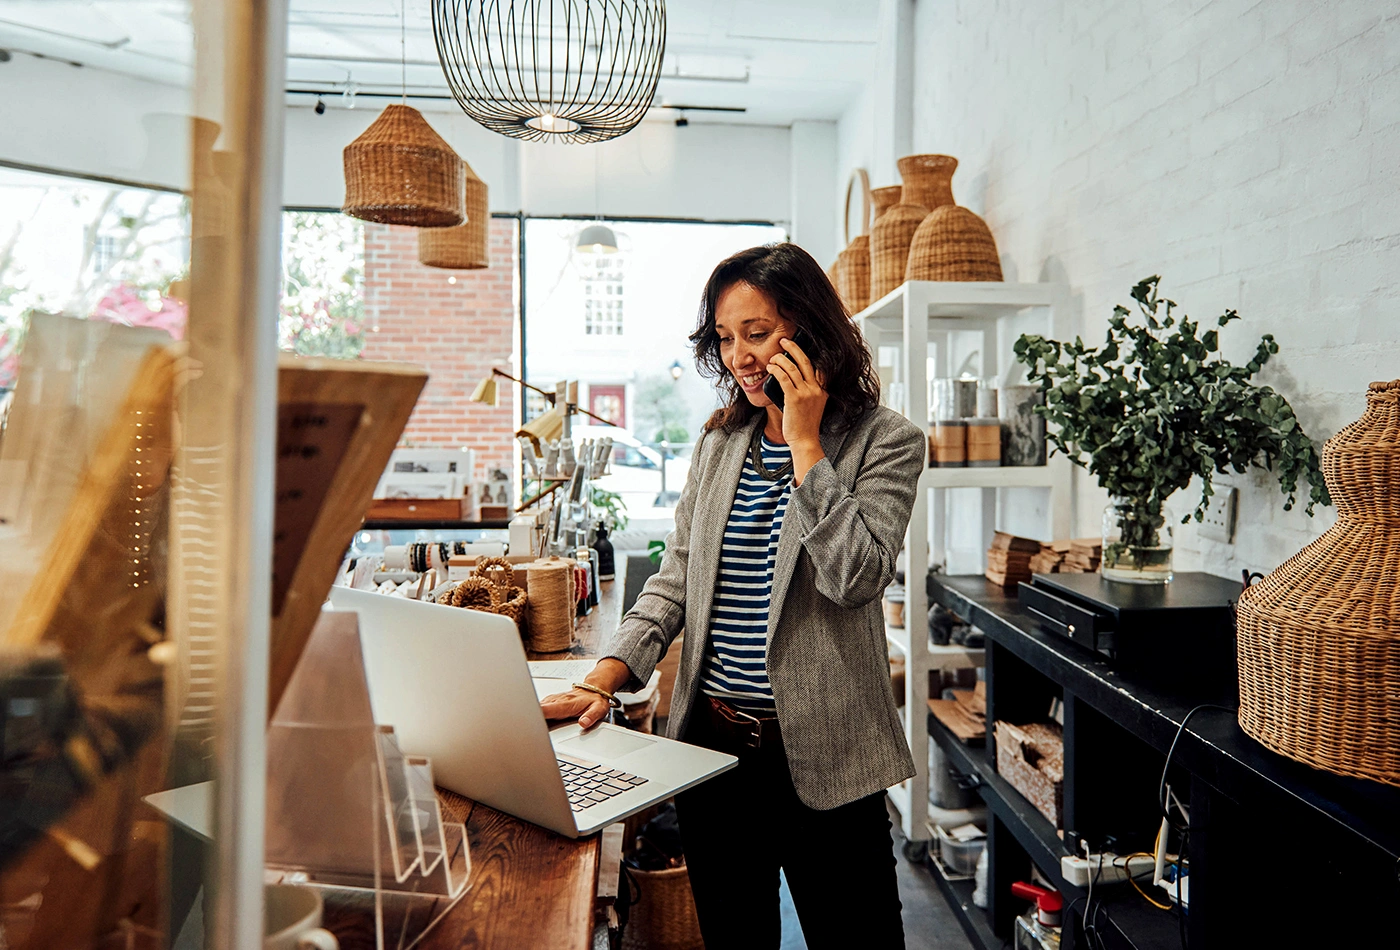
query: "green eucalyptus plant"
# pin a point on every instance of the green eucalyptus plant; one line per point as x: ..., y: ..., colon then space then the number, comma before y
x: 612, y: 506
x: 1157, y: 404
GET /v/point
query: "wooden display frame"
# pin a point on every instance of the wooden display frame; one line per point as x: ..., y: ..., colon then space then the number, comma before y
x: 314, y: 398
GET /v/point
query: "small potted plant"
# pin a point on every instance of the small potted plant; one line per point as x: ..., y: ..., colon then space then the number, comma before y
x: 1155, y: 405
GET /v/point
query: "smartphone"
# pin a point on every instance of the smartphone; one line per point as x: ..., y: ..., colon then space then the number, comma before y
x: 774, y: 389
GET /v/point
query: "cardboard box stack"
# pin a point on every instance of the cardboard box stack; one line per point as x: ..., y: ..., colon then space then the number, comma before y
x: 1009, y: 559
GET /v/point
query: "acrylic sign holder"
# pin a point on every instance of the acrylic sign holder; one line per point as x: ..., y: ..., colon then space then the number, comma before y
x: 348, y: 812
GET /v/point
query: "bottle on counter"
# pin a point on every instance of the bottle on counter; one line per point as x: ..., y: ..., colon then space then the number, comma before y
x: 606, y: 561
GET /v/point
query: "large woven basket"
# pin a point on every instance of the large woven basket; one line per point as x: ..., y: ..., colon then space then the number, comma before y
x: 952, y: 243
x: 928, y: 179
x: 1319, y: 638
x: 399, y: 171
x: 889, y: 246
x: 664, y: 916
x: 853, y: 263
x: 465, y: 246
x: 853, y: 274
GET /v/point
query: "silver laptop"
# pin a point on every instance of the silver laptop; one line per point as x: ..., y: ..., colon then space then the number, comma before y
x: 455, y: 686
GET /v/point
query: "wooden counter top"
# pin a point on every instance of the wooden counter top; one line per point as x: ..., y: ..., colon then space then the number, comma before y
x: 529, y: 887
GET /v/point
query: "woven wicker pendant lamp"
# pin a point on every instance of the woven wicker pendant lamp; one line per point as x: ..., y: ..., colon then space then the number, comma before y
x: 465, y: 246
x: 399, y: 171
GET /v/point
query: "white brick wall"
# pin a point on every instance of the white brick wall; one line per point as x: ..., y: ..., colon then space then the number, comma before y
x: 1246, y: 151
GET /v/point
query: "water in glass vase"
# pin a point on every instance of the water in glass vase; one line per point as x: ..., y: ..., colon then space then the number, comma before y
x: 1137, y: 542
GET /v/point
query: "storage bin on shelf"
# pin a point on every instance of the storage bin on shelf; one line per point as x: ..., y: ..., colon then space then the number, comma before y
x: 1032, y: 759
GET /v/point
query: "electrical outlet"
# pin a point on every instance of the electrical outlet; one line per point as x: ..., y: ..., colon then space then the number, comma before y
x: 1219, y: 522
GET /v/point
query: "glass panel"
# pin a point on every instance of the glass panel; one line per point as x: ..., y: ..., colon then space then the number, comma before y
x: 139, y: 188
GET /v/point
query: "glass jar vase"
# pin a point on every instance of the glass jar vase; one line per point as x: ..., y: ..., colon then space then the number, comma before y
x: 1137, y: 542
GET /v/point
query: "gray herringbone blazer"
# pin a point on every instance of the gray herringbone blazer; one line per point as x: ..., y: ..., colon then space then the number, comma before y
x: 828, y: 661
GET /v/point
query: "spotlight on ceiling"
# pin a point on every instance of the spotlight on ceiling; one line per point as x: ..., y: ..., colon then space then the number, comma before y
x: 682, y: 121
x: 5, y: 56
x: 320, y: 106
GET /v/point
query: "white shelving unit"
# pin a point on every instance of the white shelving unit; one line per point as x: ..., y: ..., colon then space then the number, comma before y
x: 910, y: 317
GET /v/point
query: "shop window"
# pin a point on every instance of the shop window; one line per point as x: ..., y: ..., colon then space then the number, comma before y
x: 323, y: 275
x: 630, y: 349
x: 88, y: 249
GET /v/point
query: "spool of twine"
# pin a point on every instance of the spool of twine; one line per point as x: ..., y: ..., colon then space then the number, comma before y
x: 550, y: 607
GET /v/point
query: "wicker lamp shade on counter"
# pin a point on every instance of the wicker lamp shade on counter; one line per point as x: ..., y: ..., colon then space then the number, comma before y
x: 1319, y: 638
x: 399, y: 171
x: 465, y: 246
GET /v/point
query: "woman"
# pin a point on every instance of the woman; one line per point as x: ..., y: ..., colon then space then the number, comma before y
x: 786, y: 536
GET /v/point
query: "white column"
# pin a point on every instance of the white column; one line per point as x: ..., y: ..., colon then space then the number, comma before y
x: 894, y: 89
x: 814, y: 198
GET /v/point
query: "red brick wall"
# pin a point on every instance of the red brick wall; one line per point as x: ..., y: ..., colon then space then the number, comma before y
x: 457, y: 331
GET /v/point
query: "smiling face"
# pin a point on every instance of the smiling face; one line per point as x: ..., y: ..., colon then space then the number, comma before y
x: 749, y: 330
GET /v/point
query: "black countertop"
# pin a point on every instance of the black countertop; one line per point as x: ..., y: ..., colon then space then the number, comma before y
x: 1213, y: 746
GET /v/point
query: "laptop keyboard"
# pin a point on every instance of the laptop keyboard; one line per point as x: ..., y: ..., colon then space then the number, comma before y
x: 589, y: 783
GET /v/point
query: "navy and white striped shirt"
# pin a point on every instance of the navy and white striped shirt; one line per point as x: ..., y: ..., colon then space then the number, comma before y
x: 735, y: 666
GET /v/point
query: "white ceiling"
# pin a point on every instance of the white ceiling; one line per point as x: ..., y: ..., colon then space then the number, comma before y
x: 780, y: 60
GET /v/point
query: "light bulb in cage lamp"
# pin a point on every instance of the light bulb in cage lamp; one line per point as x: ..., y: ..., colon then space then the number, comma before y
x: 597, y: 239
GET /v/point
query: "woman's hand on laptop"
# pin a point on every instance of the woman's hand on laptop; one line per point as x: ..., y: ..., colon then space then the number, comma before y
x: 584, y: 705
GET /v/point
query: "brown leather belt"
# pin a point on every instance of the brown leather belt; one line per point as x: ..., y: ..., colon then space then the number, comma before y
x: 742, y: 729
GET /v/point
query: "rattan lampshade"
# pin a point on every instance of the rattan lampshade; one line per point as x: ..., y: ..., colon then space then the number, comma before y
x: 399, y: 171
x: 462, y: 247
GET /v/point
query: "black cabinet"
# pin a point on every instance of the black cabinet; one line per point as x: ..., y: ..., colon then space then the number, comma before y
x: 1280, y: 854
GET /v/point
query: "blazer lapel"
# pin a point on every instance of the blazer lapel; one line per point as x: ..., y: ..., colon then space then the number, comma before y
x: 789, y: 543
x: 707, y: 535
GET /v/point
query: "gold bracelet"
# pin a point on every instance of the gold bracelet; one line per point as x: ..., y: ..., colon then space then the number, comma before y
x: 613, y: 701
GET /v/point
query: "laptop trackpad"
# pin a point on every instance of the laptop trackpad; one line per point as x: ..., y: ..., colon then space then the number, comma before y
x: 604, y: 743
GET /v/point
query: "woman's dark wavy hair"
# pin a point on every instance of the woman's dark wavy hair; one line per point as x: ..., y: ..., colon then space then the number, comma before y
x: 805, y: 298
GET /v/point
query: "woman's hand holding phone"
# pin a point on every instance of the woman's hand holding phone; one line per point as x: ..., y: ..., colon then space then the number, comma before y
x: 804, y: 402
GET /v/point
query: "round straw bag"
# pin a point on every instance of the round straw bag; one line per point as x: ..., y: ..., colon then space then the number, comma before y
x: 664, y: 916
x: 952, y: 243
x: 1319, y: 638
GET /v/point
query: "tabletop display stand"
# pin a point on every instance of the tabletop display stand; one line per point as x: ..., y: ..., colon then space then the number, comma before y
x: 911, y: 317
x: 348, y: 812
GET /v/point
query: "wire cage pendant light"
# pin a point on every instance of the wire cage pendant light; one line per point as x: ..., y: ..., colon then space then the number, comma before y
x: 552, y: 70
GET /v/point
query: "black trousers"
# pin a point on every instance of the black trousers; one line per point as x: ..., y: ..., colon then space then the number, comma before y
x: 738, y: 829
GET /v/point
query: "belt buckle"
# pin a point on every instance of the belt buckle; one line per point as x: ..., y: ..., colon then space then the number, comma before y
x: 756, y: 740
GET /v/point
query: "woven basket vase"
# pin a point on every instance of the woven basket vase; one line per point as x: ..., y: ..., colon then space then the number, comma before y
x: 889, y: 246
x: 952, y: 243
x: 853, y: 274
x: 399, y: 171
x: 465, y: 246
x: 853, y: 263
x: 883, y: 199
x: 1319, y: 638
x: 928, y: 179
